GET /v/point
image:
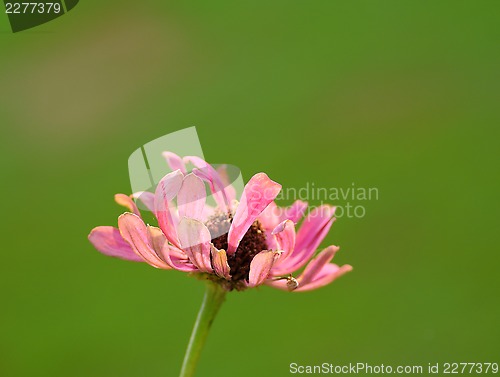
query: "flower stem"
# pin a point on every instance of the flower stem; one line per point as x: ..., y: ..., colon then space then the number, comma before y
x: 212, y: 301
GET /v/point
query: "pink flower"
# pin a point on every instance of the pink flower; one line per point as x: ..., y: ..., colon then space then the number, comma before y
x: 240, y: 245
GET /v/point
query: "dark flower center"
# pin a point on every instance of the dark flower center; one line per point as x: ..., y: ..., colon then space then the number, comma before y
x: 252, y: 243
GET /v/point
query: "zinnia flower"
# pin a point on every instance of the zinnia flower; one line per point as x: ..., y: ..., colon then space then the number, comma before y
x: 238, y: 245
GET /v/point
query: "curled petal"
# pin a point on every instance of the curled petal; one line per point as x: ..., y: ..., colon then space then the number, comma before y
x: 226, y: 181
x: 206, y: 172
x: 127, y: 202
x: 158, y: 240
x: 295, y: 212
x: 165, y: 212
x: 174, y: 257
x: 319, y: 272
x: 328, y: 273
x: 271, y: 242
x: 194, y: 238
x: 257, y: 194
x: 270, y: 217
x: 191, y: 198
x: 260, y: 267
x: 147, y: 199
x: 273, y: 215
x: 219, y: 262
x: 316, y: 264
x: 174, y: 162
x: 284, y: 234
x: 313, y: 225
x: 311, y: 233
x: 109, y: 241
x: 177, y: 259
x: 135, y: 232
x: 269, y: 221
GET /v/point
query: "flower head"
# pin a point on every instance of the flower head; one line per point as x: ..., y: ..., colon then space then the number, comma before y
x: 238, y: 244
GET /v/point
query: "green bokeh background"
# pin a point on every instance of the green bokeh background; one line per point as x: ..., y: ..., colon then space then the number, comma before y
x: 402, y: 96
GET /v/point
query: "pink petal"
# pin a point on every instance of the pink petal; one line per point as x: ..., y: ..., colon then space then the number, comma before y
x: 135, y: 232
x: 127, y: 202
x: 311, y: 233
x: 273, y: 215
x: 278, y: 284
x: 158, y: 240
x: 191, y: 198
x: 318, y: 272
x: 174, y: 257
x: 177, y: 259
x: 217, y: 190
x: 207, y: 212
x: 226, y: 181
x: 260, y: 267
x: 270, y: 217
x: 165, y: 212
x: 271, y: 242
x: 219, y: 261
x: 206, y: 172
x: 295, y: 212
x: 284, y: 234
x: 325, y: 276
x: 257, y: 194
x: 195, y: 238
x: 286, y: 283
x: 316, y: 264
x: 146, y: 198
x: 317, y: 219
x: 174, y: 162
x: 108, y: 240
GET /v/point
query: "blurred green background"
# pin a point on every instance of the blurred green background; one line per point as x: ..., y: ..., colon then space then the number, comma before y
x: 402, y: 96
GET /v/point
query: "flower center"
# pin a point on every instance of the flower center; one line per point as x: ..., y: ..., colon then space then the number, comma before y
x: 251, y: 244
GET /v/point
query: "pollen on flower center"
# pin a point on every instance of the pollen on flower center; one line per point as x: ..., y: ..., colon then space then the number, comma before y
x: 252, y: 243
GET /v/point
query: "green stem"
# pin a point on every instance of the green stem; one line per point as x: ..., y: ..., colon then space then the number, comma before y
x: 212, y: 301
